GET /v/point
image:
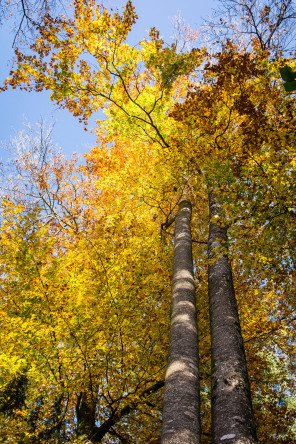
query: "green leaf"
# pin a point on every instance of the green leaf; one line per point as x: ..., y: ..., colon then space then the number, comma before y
x: 288, y: 75
x: 290, y: 86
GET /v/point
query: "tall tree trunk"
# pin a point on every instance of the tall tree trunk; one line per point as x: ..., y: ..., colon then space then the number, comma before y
x: 181, y: 415
x: 232, y: 414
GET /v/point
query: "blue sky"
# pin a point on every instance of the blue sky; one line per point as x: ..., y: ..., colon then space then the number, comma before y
x: 19, y: 106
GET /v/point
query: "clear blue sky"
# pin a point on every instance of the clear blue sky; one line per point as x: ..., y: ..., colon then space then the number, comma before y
x: 68, y: 133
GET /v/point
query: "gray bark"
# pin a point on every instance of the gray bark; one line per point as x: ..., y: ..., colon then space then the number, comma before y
x: 232, y: 414
x: 181, y: 411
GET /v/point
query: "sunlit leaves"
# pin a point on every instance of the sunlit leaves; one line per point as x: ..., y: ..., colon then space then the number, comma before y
x: 85, y: 288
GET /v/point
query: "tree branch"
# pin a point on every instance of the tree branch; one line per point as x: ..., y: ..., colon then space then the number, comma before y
x: 106, y: 427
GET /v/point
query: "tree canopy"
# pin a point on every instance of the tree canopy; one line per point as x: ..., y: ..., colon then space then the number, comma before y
x: 87, y: 247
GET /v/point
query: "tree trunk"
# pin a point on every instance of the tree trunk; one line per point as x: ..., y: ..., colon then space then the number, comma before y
x: 181, y: 415
x: 86, y: 416
x: 232, y: 414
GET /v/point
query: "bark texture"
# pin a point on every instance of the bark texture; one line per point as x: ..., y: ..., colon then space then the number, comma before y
x: 232, y: 414
x: 181, y: 411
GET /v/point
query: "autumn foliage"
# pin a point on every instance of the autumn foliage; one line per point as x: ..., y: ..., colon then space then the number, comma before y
x: 86, y: 248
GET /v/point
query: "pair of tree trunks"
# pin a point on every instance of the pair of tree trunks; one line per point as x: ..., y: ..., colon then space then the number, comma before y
x: 232, y: 414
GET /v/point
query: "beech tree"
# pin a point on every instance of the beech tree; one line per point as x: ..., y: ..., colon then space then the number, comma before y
x: 181, y: 410
x: 232, y: 414
x: 168, y: 130
x: 220, y: 130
